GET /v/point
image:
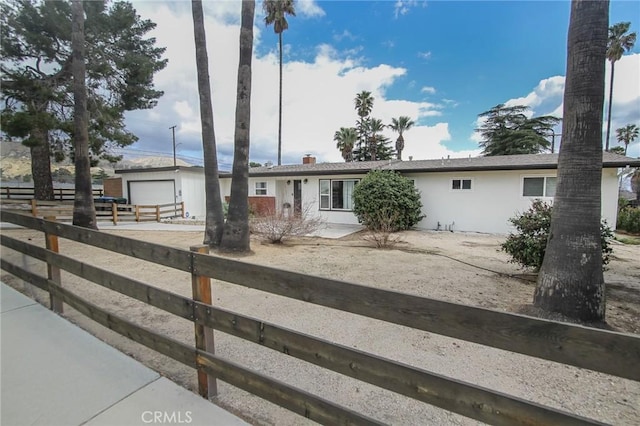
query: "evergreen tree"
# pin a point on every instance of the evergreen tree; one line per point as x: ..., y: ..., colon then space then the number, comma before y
x: 37, y: 83
x: 508, y: 131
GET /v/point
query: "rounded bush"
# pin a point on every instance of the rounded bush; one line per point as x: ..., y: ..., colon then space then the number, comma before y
x: 527, y: 245
x: 629, y: 220
x: 386, y: 201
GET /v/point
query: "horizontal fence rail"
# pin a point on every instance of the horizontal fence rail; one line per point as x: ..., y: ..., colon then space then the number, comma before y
x: 61, y: 194
x: 394, y: 376
x: 112, y: 212
x: 598, y: 350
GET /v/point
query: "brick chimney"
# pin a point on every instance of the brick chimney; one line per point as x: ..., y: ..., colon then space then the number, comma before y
x: 308, y: 159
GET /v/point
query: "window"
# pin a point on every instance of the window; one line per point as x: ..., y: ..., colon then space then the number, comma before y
x: 461, y: 184
x: 539, y: 186
x: 261, y: 188
x: 337, y: 194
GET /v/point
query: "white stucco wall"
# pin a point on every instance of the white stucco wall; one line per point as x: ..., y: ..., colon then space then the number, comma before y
x: 191, y: 192
x: 494, y: 198
x: 271, y: 186
x: 610, y: 185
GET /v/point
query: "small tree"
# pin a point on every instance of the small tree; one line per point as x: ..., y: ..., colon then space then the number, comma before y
x: 382, y: 237
x: 527, y: 246
x: 387, y: 191
x: 276, y: 227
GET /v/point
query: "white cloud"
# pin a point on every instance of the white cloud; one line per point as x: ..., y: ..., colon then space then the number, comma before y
x: 402, y: 7
x: 318, y: 96
x: 547, y: 97
x: 424, y: 55
x: 346, y: 34
x: 450, y: 102
x: 544, y: 98
x: 308, y: 8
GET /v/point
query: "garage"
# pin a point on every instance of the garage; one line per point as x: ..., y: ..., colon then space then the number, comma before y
x: 152, y: 192
x: 166, y: 185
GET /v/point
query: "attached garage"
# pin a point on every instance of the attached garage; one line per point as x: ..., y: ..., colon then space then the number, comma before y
x: 151, y: 192
x: 166, y: 185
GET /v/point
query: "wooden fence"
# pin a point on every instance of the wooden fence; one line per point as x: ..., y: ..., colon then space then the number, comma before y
x: 598, y: 350
x: 112, y: 212
x: 26, y: 193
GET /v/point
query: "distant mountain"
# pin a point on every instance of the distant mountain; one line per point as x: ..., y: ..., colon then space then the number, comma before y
x: 15, y: 164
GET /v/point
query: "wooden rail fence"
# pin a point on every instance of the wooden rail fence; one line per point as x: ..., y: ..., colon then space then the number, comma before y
x: 26, y: 193
x: 598, y: 350
x: 112, y: 212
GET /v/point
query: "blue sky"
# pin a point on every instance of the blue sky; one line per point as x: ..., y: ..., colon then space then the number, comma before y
x: 440, y: 62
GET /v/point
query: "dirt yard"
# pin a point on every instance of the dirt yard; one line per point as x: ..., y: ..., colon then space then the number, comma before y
x: 457, y: 267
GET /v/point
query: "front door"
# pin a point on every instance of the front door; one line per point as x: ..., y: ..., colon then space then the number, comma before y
x: 297, y: 197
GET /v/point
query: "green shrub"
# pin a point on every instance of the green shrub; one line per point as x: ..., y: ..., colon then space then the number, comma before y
x: 622, y: 203
x: 385, y: 194
x: 527, y: 246
x: 629, y: 220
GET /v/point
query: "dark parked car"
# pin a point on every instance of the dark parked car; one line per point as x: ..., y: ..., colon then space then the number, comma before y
x: 108, y: 200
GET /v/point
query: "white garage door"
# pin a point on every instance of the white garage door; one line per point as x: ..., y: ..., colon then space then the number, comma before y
x: 152, y: 192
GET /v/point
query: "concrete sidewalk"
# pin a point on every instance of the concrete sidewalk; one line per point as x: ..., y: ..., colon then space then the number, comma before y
x: 54, y: 373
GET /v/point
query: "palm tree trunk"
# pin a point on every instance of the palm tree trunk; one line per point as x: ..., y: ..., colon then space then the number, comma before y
x: 84, y: 213
x: 609, y: 111
x: 570, y: 279
x: 280, y: 105
x: 214, y: 216
x: 236, y: 230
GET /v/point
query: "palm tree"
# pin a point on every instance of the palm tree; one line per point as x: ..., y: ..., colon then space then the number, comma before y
x: 364, y: 105
x: 345, y: 141
x: 619, y: 42
x: 276, y: 12
x: 84, y: 212
x: 373, y: 129
x: 214, y: 216
x: 400, y: 125
x: 570, y: 280
x: 626, y: 135
x: 235, y: 237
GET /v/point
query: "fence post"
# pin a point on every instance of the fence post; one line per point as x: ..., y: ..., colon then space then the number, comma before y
x: 157, y: 213
x: 182, y: 209
x: 137, y: 213
x: 53, y: 272
x: 201, y: 287
x: 8, y: 193
x: 114, y: 213
x: 34, y: 207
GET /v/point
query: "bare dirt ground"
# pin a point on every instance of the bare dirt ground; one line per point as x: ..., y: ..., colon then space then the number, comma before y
x: 457, y: 267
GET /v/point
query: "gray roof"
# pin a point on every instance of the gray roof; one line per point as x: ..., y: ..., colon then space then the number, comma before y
x: 502, y: 162
x: 160, y: 169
